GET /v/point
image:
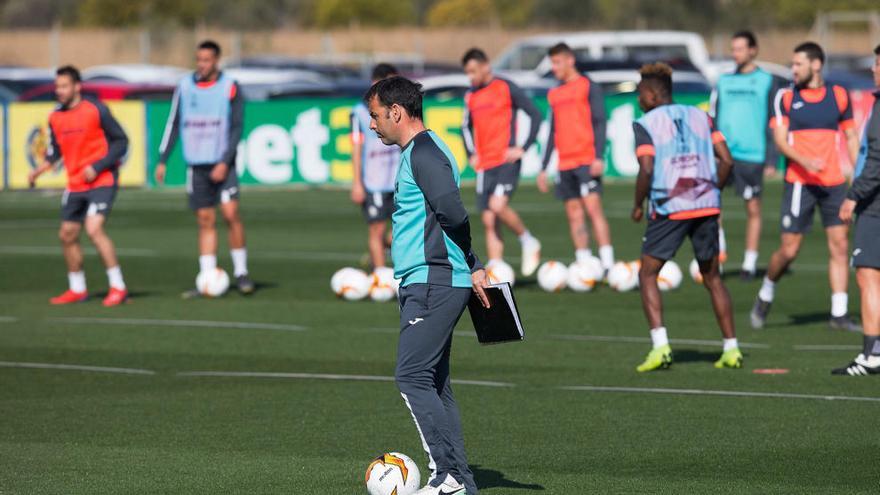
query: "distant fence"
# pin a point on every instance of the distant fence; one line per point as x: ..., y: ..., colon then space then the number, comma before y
x: 299, y: 141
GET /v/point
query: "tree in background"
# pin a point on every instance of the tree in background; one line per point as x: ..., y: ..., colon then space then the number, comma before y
x: 476, y: 12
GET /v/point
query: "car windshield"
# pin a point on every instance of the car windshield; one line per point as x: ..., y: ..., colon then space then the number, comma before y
x: 523, y: 57
x: 645, y: 53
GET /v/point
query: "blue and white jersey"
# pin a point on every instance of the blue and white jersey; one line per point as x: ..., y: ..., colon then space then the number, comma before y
x: 204, y: 119
x: 684, y: 181
x: 379, y: 161
x: 431, y: 233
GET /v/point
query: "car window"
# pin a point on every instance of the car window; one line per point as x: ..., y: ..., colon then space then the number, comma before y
x: 523, y: 57
x: 646, y: 53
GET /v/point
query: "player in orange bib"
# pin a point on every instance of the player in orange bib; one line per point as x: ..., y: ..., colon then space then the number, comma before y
x: 91, y: 143
x: 807, y: 122
x: 577, y: 135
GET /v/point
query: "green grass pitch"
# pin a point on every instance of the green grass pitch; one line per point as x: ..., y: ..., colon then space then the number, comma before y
x: 163, y: 431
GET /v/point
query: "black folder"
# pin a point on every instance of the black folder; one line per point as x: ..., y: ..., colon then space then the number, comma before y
x: 500, y: 322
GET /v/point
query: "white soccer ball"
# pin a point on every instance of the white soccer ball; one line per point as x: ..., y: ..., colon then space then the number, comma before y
x: 670, y: 276
x: 212, y: 283
x: 583, y: 276
x: 393, y: 474
x: 694, y: 269
x: 552, y: 276
x: 623, y: 276
x: 498, y: 272
x: 351, y: 284
x: 383, y: 284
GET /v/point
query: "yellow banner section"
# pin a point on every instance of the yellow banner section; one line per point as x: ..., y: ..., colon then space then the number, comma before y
x: 28, y: 138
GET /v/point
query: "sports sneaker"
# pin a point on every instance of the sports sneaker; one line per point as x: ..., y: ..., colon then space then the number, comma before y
x: 759, y: 313
x: 531, y: 256
x: 450, y: 486
x: 732, y: 358
x: 245, y: 284
x: 115, y: 297
x: 844, y: 323
x: 862, y: 366
x: 658, y: 358
x: 69, y: 297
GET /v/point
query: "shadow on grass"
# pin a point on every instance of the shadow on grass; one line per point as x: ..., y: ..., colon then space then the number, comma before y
x: 694, y: 356
x: 490, y: 478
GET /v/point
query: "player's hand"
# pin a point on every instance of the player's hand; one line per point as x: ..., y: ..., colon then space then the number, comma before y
x: 475, y: 160
x: 358, y: 195
x: 89, y: 174
x: 597, y: 169
x: 637, y: 213
x: 846, y: 210
x: 513, y: 154
x: 481, y: 283
x: 814, y: 165
x: 542, y: 181
x: 218, y: 173
x: 160, y: 173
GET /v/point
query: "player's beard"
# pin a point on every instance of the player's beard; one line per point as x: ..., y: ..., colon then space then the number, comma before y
x: 803, y: 83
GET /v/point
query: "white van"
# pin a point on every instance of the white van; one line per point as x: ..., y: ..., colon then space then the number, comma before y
x: 529, y: 56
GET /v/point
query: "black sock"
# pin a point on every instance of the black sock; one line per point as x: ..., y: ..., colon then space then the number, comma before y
x: 871, y: 346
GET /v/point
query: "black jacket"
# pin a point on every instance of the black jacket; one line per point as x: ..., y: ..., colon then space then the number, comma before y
x: 865, y: 190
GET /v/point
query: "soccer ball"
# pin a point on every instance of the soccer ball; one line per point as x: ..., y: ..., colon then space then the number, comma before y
x: 624, y: 276
x: 552, y: 276
x: 393, y: 474
x: 351, y: 284
x: 498, y: 272
x: 384, y: 286
x: 584, y: 275
x: 212, y: 283
x: 694, y: 269
x: 670, y: 276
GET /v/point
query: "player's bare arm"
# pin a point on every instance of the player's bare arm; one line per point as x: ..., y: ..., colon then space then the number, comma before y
x: 643, y: 186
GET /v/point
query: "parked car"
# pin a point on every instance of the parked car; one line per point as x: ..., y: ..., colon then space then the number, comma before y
x: 15, y: 80
x: 106, y: 91
x: 135, y: 73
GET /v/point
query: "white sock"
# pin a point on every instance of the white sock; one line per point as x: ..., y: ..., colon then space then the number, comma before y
x: 207, y: 262
x: 582, y: 255
x: 839, y: 303
x: 750, y: 261
x: 114, y: 275
x: 730, y: 344
x: 658, y: 337
x: 239, y: 261
x: 526, y: 237
x: 606, y: 254
x: 768, y: 290
x: 722, y: 241
x: 77, y: 281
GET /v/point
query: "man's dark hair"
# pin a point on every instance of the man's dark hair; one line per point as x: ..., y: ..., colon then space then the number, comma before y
x: 400, y: 91
x: 877, y: 50
x: 560, y: 49
x: 69, y: 71
x: 474, y: 54
x: 812, y: 50
x: 658, y: 76
x: 748, y: 36
x: 384, y: 71
x: 210, y: 45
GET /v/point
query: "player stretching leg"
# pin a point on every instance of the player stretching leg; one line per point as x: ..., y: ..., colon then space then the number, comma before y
x: 374, y: 167
x: 806, y: 122
x: 863, y: 198
x: 577, y: 133
x: 489, y: 131
x: 740, y: 106
x: 677, y: 151
x: 207, y: 113
x: 431, y: 250
x: 91, y: 143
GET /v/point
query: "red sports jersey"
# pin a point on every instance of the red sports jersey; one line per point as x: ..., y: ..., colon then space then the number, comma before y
x: 86, y: 135
x: 572, y: 126
x: 814, y: 117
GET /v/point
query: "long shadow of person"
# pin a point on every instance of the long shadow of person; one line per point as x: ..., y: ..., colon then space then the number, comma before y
x: 490, y: 478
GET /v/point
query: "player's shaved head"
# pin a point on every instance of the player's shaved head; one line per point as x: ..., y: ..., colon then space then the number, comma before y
x: 655, y: 87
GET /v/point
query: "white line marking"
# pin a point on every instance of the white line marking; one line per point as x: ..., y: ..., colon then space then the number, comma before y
x: 8, y: 319
x: 182, y: 323
x: 325, y: 376
x: 723, y: 393
x: 76, y: 367
x: 827, y: 347
x: 643, y: 340
x: 50, y: 250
